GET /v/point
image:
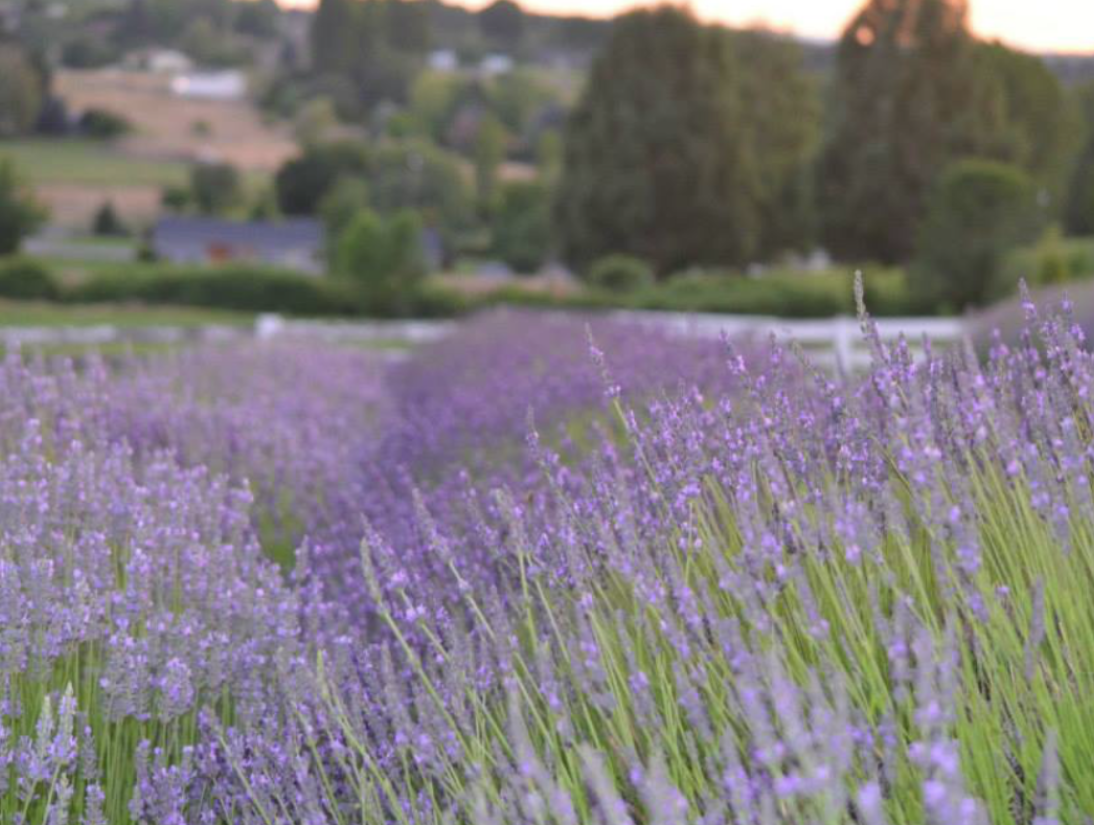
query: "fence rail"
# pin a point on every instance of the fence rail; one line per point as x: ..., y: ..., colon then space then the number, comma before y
x: 834, y: 342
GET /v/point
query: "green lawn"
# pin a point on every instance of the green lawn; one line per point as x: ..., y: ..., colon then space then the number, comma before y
x: 42, y: 314
x: 88, y: 162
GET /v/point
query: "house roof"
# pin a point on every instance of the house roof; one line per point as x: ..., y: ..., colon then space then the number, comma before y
x: 267, y: 236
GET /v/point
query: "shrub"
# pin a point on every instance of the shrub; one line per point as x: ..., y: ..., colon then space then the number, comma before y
x: 785, y: 294
x: 87, y: 52
x: 239, y: 287
x: 979, y: 211
x: 26, y: 280
x: 303, y: 182
x: 521, y: 225
x: 20, y: 213
x: 215, y: 187
x: 383, y: 258
x: 106, y: 221
x: 620, y: 273
x: 103, y: 124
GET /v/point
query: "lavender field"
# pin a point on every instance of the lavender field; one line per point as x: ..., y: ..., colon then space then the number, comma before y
x: 547, y: 571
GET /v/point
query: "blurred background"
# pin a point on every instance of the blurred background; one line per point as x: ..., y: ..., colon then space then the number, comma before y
x: 192, y: 161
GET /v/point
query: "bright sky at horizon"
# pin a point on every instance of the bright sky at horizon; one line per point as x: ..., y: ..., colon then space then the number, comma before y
x: 1045, y: 25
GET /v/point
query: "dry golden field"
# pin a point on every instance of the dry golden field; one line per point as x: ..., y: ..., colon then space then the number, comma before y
x: 172, y: 128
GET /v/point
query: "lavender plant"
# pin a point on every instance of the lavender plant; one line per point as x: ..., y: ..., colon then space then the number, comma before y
x: 134, y: 598
x: 709, y: 584
x: 812, y: 601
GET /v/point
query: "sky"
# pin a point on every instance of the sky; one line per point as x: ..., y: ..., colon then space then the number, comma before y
x: 1038, y: 25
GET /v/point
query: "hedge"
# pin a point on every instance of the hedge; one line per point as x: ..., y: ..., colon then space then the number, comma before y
x: 242, y: 288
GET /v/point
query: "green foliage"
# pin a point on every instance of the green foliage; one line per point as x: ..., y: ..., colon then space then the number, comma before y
x: 175, y: 198
x: 26, y: 280
x: 342, y: 204
x: 1079, y: 205
x: 376, y: 45
x: 416, y: 175
x: 397, y: 175
x: 502, y: 24
x: 781, y: 293
x: 215, y: 187
x: 434, y: 98
x: 106, y: 221
x: 521, y: 225
x: 1054, y: 259
x: 441, y: 102
x: 1032, y: 122
x: 257, y: 18
x: 315, y: 121
x: 303, y: 182
x: 1053, y: 265
x: 241, y: 287
x: 103, y: 124
x: 22, y: 92
x: 661, y: 151
x: 620, y: 273
x: 490, y: 145
x: 904, y: 104
x: 88, y: 52
x: 383, y: 258
x: 978, y: 213
x: 211, y: 44
x: 333, y: 36
x: 784, y: 129
x: 20, y: 214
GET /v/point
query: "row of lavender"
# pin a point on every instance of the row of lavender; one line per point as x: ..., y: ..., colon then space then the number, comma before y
x: 656, y: 582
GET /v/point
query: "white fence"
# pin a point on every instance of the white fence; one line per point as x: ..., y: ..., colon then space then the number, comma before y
x: 833, y: 342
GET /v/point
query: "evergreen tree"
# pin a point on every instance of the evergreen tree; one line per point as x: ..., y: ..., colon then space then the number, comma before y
x: 904, y: 104
x: 782, y: 113
x: 1031, y: 121
x: 655, y: 162
x: 334, y: 36
x: 20, y: 213
x: 978, y: 212
x: 106, y: 221
x: 489, y: 155
x: 1079, y: 206
x: 502, y: 23
x: 22, y: 91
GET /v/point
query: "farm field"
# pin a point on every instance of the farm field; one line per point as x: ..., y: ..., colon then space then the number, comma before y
x: 550, y: 564
x: 73, y: 177
x: 167, y: 127
x: 83, y: 162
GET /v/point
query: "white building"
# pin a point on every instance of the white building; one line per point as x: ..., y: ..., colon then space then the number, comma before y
x: 161, y: 61
x: 444, y: 60
x: 494, y: 65
x: 227, y: 85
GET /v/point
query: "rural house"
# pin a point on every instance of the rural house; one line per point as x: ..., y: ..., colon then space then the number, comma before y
x: 297, y: 244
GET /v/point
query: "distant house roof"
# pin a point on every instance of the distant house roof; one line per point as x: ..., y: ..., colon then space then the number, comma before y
x: 294, y: 244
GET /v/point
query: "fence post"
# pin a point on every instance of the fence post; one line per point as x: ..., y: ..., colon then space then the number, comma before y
x: 844, y: 344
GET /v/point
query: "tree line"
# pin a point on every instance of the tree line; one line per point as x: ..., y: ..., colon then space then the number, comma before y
x: 698, y: 146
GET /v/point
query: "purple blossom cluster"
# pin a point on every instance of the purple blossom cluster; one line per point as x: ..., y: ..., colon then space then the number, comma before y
x: 132, y: 594
x: 551, y: 570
